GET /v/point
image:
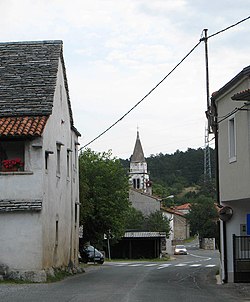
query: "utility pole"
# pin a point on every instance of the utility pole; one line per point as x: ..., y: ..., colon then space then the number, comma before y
x: 207, y: 160
x: 207, y: 74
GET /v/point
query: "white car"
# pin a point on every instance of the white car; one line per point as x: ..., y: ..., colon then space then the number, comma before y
x: 180, y: 250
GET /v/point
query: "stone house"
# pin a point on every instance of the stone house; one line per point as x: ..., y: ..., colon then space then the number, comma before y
x: 39, y: 203
x: 180, y: 228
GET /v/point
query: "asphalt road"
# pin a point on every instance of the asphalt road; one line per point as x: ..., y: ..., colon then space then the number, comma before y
x: 186, y: 278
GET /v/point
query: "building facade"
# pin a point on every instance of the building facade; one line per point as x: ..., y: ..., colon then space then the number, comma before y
x: 39, y: 203
x: 231, y: 124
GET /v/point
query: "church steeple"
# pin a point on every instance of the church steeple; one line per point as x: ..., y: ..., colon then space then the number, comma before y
x: 138, y: 155
x: 139, y: 178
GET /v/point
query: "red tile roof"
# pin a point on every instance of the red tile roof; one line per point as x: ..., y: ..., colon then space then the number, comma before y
x: 242, y: 95
x: 22, y: 126
x: 185, y: 206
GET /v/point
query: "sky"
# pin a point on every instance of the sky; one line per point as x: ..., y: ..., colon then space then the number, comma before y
x: 116, y: 51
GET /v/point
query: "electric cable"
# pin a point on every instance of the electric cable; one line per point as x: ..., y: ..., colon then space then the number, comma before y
x: 142, y: 98
x: 180, y: 62
x: 233, y: 25
x: 231, y: 113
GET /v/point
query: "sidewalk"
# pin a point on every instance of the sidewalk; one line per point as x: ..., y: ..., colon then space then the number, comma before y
x: 241, y: 289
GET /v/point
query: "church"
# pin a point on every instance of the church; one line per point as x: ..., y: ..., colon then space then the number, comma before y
x: 140, y: 193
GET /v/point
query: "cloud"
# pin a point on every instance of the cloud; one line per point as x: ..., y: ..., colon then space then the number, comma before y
x: 116, y: 51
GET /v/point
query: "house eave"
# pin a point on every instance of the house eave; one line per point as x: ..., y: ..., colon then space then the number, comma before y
x: 245, y: 73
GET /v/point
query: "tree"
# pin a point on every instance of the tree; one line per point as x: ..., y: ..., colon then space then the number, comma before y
x: 103, y: 196
x: 135, y: 219
x: 156, y: 222
x: 203, y: 218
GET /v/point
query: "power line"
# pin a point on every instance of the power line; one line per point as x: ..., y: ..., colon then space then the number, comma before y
x: 233, y: 25
x: 142, y: 98
x: 121, y: 118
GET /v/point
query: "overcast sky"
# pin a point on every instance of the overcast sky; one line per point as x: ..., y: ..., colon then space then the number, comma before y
x: 116, y: 51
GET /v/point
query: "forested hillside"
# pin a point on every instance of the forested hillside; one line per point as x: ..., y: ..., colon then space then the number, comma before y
x: 172, y: 173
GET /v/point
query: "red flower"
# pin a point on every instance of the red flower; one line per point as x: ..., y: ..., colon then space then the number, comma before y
x: 10, y: 163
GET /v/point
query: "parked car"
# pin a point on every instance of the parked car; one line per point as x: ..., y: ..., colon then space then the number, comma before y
x: 180, y: 250
x: 90, y: 254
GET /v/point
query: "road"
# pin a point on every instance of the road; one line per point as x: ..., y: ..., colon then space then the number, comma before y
x: 186, y: 278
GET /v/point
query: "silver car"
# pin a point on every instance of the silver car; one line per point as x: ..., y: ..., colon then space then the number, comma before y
x: 180, y: 250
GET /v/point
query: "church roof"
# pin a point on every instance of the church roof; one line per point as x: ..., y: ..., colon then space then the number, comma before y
x: 138, y: 155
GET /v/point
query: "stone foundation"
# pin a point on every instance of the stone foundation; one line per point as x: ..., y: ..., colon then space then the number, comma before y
x: 38, y: 276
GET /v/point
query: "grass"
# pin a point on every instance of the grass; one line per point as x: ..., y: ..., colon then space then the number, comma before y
x: 190, y: 239
x: 59, y: 275
x: 12, y: 281
x: 140, y: 260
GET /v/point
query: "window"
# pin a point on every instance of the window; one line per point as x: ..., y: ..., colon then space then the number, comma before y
x: 232, y: 139
x: 12, y: 150
x: 138, y: 183
x: 134, y: 183
x: 68, y: 163
x: 58, y: 159
x: 76, y: 213
x: 47, y: 153
x: 56, y: 241
x: 46, y: 160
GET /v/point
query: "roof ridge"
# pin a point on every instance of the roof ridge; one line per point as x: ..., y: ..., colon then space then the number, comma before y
x: 33, y: 42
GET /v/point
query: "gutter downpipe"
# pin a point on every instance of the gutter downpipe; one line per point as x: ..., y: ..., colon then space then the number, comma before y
x: 224, y: 233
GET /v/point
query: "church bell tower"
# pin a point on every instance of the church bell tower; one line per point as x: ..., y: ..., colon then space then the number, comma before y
x: 138, y: 175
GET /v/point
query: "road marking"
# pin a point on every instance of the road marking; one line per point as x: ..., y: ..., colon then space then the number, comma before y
x: 164, y: 265
x: 204, y: 258
x: 160, y: 266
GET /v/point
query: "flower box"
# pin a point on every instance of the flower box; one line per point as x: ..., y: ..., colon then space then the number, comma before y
x: 12, y: 165
x: 13, y: 169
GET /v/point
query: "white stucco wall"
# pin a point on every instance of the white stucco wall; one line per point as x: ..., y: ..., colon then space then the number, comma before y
x: 60, y: 191
x: 230, y: 172
x: 170, y: 217
x: 20, y: 246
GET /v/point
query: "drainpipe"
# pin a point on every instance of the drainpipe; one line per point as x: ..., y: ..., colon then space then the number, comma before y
x: 224, y: 233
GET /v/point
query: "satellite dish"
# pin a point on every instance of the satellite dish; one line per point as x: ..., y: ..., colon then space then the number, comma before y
x: 226, y: 213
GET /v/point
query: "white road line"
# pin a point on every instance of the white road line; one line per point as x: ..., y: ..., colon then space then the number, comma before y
x: 164, y: 266
x: 161, y: 266
x: 117, y: 263
x: 205, y: 258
